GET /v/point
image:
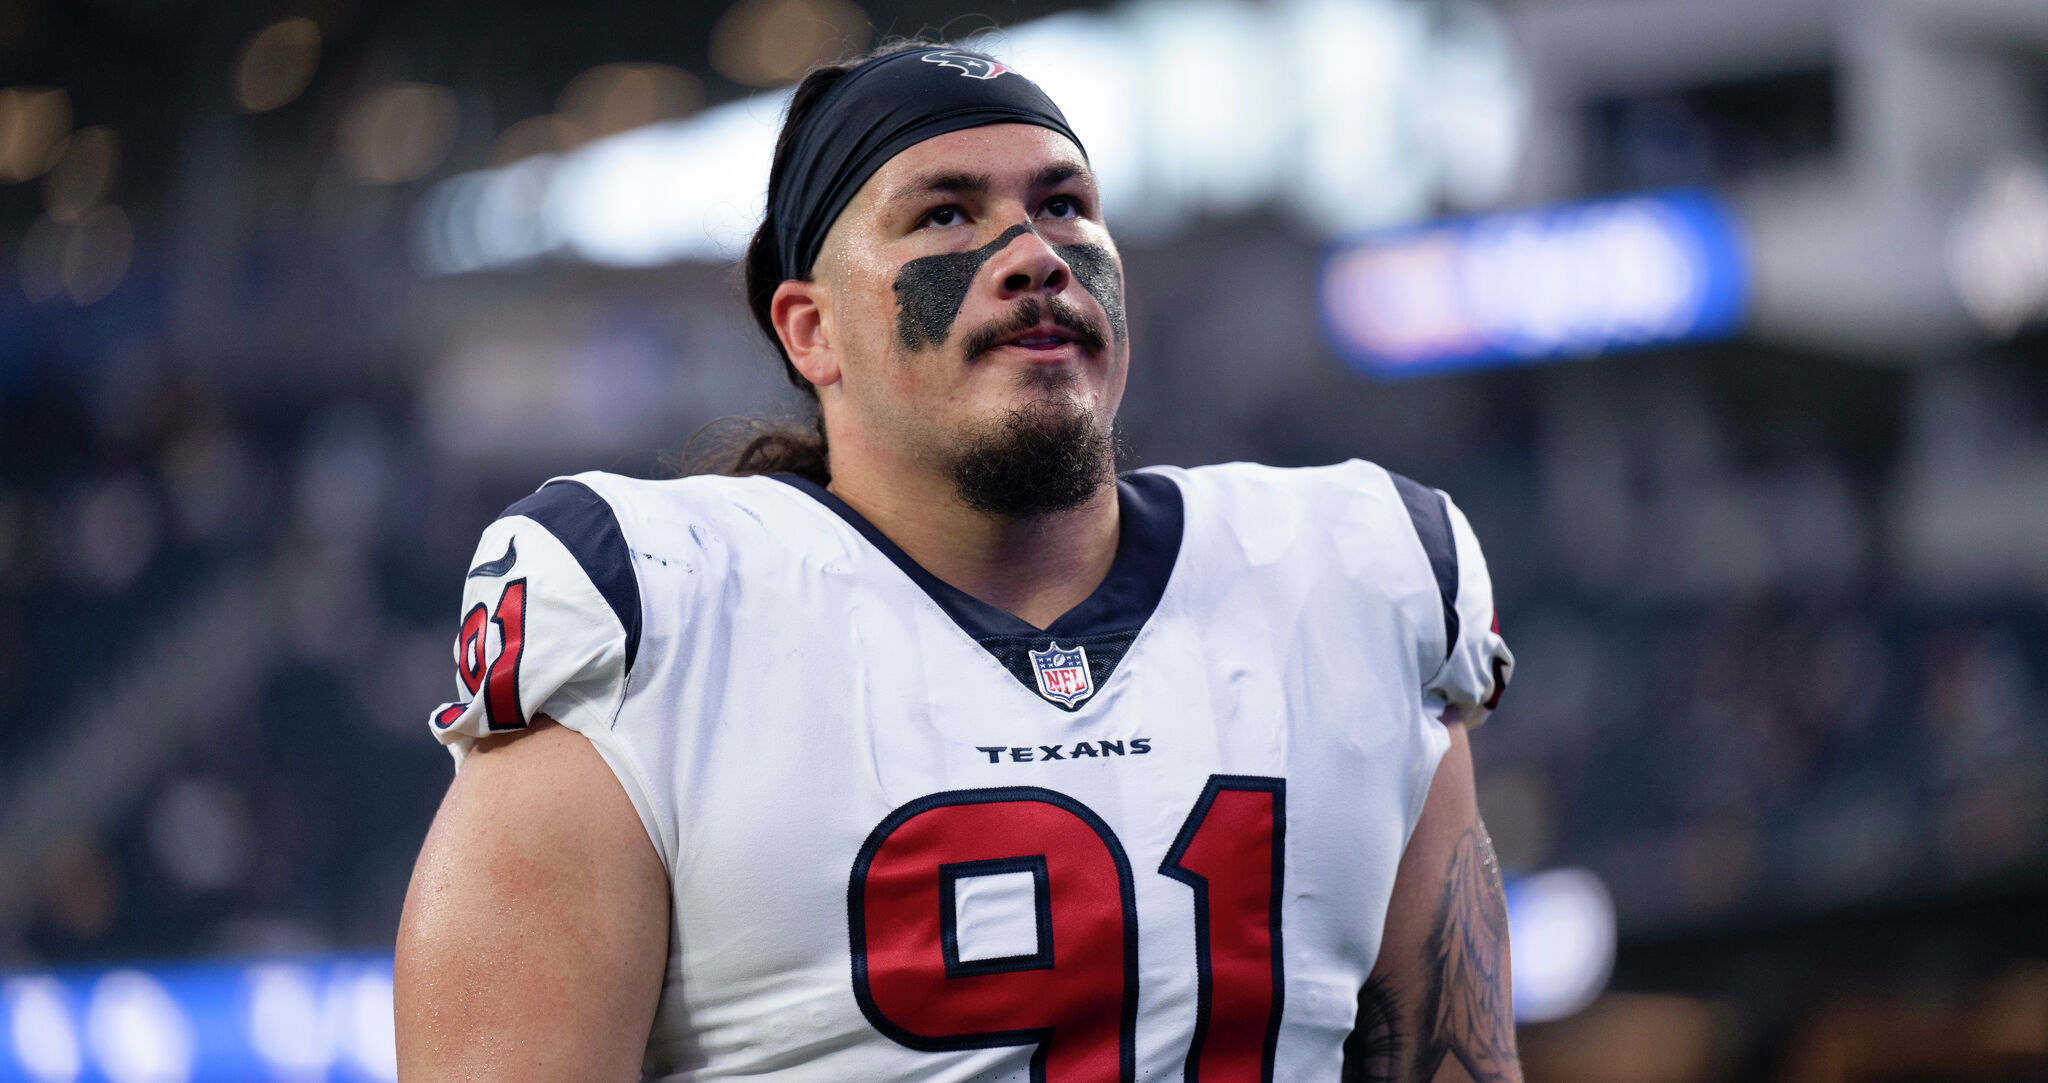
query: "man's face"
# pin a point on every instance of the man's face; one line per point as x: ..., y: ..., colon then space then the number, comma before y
x: 976, y: 300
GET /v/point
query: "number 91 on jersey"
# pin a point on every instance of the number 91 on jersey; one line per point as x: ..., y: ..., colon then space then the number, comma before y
x: 1072, y: 990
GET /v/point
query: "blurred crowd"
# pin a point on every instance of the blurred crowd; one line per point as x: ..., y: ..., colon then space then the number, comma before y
x: 285, y: 795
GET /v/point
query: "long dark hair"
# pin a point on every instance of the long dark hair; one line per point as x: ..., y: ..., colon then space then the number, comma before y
x: 787, y: 447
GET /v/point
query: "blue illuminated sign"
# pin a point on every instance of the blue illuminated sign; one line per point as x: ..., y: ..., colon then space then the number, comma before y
x: 326, y: 1020
x: 1570, y: 281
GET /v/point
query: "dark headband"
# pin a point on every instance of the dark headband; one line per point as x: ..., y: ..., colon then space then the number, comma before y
x: 877, y: 111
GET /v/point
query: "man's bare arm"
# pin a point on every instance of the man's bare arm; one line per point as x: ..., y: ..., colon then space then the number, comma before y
x: 1438, y: 997
x: 535, y: 934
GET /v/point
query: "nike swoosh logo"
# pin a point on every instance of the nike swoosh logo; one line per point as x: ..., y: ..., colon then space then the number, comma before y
x: 499, y: 566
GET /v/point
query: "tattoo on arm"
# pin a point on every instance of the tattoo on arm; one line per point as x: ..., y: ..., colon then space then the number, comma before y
x: 1465, y: 1012
x: 1373, y: 1052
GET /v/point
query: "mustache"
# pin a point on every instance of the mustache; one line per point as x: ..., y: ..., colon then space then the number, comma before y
x: 1028, y: 313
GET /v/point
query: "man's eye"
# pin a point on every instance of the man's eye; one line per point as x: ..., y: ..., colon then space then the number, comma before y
x: 1063, y: 207
x: 942, y: 216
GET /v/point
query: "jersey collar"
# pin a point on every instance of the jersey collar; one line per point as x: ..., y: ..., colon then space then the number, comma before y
x: 1148, y: 543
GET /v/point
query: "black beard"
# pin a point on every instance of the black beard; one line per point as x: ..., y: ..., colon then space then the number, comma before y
x: 1042, y: 457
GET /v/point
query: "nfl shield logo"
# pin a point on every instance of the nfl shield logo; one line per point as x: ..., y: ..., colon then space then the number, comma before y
x: 1063, y: 674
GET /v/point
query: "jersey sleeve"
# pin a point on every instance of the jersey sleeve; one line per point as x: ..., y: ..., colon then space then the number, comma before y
x: 1476, y: 664
x: 550, y: 622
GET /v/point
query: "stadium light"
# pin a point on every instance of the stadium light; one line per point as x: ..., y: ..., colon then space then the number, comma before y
x: 1561, y: 935
x: 45, y: 1039
x: 137, y: 1032
x: 1997, y: 250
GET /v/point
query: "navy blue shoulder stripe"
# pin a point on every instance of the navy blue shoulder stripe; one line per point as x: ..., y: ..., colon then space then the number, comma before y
x: 584, y: 524
x: 1432, y: 518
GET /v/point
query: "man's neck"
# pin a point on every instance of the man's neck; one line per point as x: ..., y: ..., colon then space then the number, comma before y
x: 1035, y: 567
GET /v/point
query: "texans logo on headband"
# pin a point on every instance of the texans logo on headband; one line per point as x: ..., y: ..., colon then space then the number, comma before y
x: 973, y: 67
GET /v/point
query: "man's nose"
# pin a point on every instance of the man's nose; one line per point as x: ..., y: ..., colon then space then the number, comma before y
x: 1028, y: 265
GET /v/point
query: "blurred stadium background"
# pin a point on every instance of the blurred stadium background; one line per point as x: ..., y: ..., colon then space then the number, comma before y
x: 1723, y: 319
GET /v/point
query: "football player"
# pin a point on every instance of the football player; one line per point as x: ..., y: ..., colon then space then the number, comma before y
x: 928, y: 747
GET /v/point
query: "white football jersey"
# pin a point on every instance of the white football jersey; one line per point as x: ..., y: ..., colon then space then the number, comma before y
x: 911, y: 837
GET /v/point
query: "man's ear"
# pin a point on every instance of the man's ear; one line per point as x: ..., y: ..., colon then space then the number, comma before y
x: 802, y: 316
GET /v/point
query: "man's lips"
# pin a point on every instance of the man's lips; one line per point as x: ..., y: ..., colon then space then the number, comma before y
x: 1042, y: 337
x: 1045, y: 328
